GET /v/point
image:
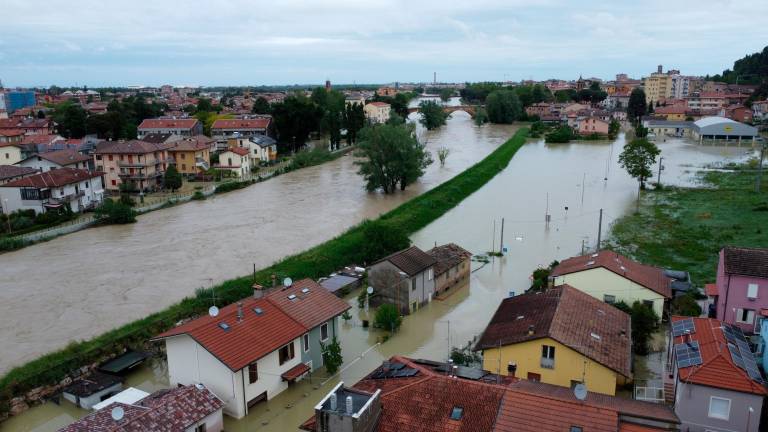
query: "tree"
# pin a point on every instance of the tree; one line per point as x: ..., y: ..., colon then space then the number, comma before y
x: 354, y: 121
x: 432, y: 114
x: 644, y: 323
x: 563, y: 134
x: 466, y: 357
x: 71, y: 119
x: 446, y: 94
x: 503, y: 106
x: 204, y: 104
x: 260, y: 106
x: 392, y: 157
x: 332, y: 358
x: 481, y: 116
x: 636, y: 106
x: 114, y: 212
x: 613, y: 129
x: 381, y: 238
x: 387, y: 317
x: 173, y: 178
x: 295, y: 119
x: 399, y: 104
x: 686, y: 305
x: 332, y: 122
x: 442, y: 154
x: 637, y: 157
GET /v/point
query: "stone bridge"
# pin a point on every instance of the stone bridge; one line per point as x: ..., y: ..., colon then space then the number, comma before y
x: 469, y: 109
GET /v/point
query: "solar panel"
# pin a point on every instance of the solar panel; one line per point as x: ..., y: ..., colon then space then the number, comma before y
x: 682, y: 327
x: 741, y: 352
x: 687, y: 354
x: 736, y: 355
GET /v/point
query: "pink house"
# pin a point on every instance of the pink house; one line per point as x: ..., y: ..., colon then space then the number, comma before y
x: 592, y: 125
x: 742, y: 287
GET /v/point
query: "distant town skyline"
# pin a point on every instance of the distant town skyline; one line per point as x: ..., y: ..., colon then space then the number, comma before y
x: 90, y: 43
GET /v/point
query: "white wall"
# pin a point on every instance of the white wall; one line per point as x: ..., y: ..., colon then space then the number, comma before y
x: 214, y: 422
x: 269, y: 373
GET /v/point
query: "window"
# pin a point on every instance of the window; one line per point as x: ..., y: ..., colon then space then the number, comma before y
x: 547, y: 356
x: 457, y: 412
x: 752, y: 291
x: 286, y: 353
x: 183, y: 166
x: 413, y: 285
x: 745, y: 316
x: 253, y: 373
x: 574, y: 383
x: 110, y: 157
x: 576, y: 429
x: 429, y: 274
x: 114, y: 182
x: 609, y: 299
x: 719, y: 408
x: 305, y: 338
x: 648, y: 303
x: 200, y: 428
x: 324, y: 332
x: 534, y: 377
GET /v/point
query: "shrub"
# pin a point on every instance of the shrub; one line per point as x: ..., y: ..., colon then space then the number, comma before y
x: 198, y: 196
x: 381, y: 239
x: 563, y: 134
x: 387, y: 317
x: 332, y: 358
x: 686, y: 305
x: 115, y: 212
x: 21, y: 222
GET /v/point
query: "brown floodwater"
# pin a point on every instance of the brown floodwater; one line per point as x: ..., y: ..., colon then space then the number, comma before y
x: 519, y: 194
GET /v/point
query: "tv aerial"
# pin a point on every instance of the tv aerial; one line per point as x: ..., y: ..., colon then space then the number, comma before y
x: 580, y: 391
x: 287, y: 282
x: 213, y: 311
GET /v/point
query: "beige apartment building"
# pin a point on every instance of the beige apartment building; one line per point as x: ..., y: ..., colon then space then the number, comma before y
x: 138, y: 164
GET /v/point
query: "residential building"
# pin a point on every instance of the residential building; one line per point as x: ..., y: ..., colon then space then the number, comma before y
x: 10, y: 153
x: 675, y: 112
x: 759, y: 110
x: 405, y: 279
x: 236, y: 160
x: 713, y: 377
x: 661, y: 86
x: 161, y: 138
x: 28, y: 125
x: 192, y: 155
x: 137, y: 164
x: 561, y: 336
x: 377, y: 112
x: 223, y: 129
x: 593, y: 125
x: 387, y: 91
x: 15, y: 100
x: 612, y: 278
x: 742, y: 287
x: 87, y: 391
x: 421, y: 395
x: 10, y: 173
x: 663, y: 128
x: 707, y: 101
x: 261, y: 148
x: 11, y: 136
x: 452, y: 266
x: 354, y: 99
x: 739, y: 113
x: 191, y: 408
x: 251, y: 350
x: 76, y: 188
x: 66, y: 158
x: 183, y: 127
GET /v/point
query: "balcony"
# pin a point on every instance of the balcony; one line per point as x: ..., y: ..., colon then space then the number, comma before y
x: 139, y: 176
x: 70, y: 197
x: 547, y: 363
x: 137, y: 164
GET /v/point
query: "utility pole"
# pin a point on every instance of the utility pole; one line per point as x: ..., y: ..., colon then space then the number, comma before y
x: 599, y: 230
x: 760, y: 168
x: 583, y: 179
x: 501, y: 244
x: 661, y: 167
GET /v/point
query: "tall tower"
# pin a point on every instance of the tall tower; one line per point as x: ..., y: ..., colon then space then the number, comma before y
x: 327, y: 85
x: 434, y: 77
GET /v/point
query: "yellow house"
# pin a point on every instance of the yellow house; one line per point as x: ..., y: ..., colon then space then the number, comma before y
x: 560, y: 336
x: 612, y: 278
x: 192, y: 155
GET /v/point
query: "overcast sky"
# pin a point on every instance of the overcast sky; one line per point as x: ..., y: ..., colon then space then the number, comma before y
x: 239, y: 42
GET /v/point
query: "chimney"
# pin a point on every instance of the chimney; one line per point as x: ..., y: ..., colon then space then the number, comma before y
x: 350, y: 409
x: 334, y: 402
x: 258, y: 291
x: 511, y: 369
x: 530, y: 330
x: 239, y: 311
x: 274, y: 280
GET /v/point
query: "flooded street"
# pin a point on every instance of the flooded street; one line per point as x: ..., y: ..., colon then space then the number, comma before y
x: 83, y: 284
x: 565, y: 175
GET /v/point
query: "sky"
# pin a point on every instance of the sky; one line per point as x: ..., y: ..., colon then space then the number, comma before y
x: 241, y: 42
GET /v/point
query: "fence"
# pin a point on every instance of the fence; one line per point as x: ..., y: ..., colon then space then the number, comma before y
x: 649, y: 393
x: 172, y: 198
x: 65, y: 228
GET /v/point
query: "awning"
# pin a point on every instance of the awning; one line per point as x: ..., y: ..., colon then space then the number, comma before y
x: 295, y: 372
x: 124, y: 362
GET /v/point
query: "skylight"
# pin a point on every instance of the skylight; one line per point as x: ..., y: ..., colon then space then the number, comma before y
x: 595, y: 336
x: 589, y: 263
x: 224, y: 326
x: 457, y: 412
x: 258, y: 310
x: 520, y: 316
x: 305, y: 290
x: 292, y: 297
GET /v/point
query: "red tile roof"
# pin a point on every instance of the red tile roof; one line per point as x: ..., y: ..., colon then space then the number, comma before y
x: 746, y: 261
x: 711, y: 289
x: 41, y: 139
x: 11, y: 132
x: 717, y: 368
x: 568, y: 316
x: 195, y: 143
x: 171, y: 410
x: 310, y: 308
x: 168, y: 124
x: 238, y: 150
x: 295, y: 372
x: 650, y: 277
x: 130, y: 147
x: 241, y: 124
x: 63, y: 157
x: 54, y: 178
x: 11, y: 171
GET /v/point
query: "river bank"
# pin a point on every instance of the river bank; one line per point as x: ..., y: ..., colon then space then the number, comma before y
x: 315, y: 262
x: 685, y: 227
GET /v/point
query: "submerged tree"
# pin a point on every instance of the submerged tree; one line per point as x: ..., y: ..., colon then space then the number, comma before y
x: 637, y: 158
x: 442, y: 154
x: 503, y: 106
x: 432, y: 114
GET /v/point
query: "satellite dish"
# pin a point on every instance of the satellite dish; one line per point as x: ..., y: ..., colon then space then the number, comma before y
x: 118, y: 413
x: 370, y: 290
x: 580, y: 391
x: 213, y: 311
x: 287, y: 282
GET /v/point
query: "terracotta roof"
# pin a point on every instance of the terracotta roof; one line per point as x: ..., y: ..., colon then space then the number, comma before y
x: 746, y: 261
x: 54, y: 178
x: 379, y: 104
x: 672, y: 109
x: 10, y: 171
x: 648, y: 276
x: 412, y: 261
x: 447, y: 256
x: 130, y: 147
x: 171, y: 410
x: 711, y: 289
x: 168, y: 123
x: 238, y: 150
x: 717, y: 368
x: 239, y: 124
x: 41, y: 139
x: 569, y: 316
x: 197, y: 142
x: 311, y: 308
x: 157, y: 138
x: 63, y: 157
x: 246, y: 341
x: 11, y: 132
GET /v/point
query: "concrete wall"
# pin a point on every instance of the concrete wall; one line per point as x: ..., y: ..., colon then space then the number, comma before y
x: 692, y: 407
x: 599, y: 282
x: 214, y: 422
x: 733, y: 297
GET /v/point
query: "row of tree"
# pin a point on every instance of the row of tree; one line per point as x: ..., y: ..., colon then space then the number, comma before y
x: 119, y: 122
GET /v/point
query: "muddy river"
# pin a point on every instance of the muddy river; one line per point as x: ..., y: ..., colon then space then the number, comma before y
x: 540, y: 176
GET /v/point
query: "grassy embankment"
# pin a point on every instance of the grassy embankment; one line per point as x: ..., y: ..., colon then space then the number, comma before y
x: 685, y: 228
x: 315, y: 262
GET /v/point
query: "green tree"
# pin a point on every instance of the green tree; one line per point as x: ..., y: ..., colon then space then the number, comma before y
x: 562, y: 96
x: 636, y: 158
x: 503, y: 106
x: 332, y: 358
x: 442, y: 154
x: 204, y: 104
x: 382, y: 239
x: 71, y: 119
x: 432, y: 114
x: 644, y: 323
x: 260, y: 106
x: 685, y: 305
x: 354, y: 121
x: 114, y: 212
x: 173, y: 178
x: 399, y: 104
x: 613, y: 129
x: 332, y: 123
x: 392, y: 157
x: 295, y: 119
x: 563, y: 134
x: 446, y: 94
x: 636, y: 106
x: 467, y: 358
x: 387, y: 317
x: 481, y: 116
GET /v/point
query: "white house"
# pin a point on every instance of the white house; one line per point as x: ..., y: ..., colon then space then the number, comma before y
x: 66, y: 158
x: 236, y: 160
x: 77, y: 188
x: 377, y: 112
x: 261, y: 148
x: 10, y: 153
